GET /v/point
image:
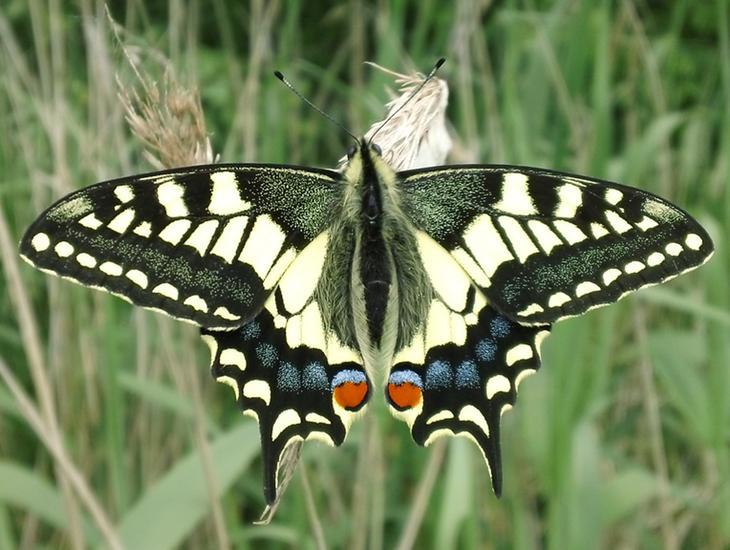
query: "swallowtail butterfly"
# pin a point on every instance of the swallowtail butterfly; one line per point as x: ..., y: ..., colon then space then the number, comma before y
x: 309, y: 285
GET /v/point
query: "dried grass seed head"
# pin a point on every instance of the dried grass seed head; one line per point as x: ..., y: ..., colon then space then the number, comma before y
x: 416, y: 136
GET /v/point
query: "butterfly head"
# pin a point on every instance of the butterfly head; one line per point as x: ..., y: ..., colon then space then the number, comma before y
x: 363, y: 147
x: 365, y: 162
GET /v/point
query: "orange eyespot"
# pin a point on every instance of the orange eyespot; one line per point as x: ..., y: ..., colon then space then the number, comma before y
x: 351, y: 395
x: 405, y: 396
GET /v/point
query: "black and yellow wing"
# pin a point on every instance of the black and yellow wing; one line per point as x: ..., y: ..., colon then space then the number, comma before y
x: 544, y: 245
x: 509, y: 251
x: 206, y: 244
x: 462, y: 369
x: 239, y: 251
x: 289, y: 370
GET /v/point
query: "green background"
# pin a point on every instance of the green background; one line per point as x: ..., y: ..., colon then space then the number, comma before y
x: 621, y: 440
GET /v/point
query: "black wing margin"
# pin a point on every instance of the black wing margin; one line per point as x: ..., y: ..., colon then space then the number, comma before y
x: 205, y: 244
x: 544, y: 245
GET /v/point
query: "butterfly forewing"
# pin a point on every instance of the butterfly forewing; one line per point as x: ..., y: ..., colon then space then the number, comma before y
x: 544, y: 245
x: 205, y: 244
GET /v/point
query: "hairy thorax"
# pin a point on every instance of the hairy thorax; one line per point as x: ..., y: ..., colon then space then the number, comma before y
x: 373, y: 248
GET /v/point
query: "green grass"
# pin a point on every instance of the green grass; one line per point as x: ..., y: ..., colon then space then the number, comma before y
x: 622, y: 439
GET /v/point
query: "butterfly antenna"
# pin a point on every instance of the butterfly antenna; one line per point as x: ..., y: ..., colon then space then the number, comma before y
x: 329, y: 117
x: 429, y: 76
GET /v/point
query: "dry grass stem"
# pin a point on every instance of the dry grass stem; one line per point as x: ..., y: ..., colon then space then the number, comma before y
x: 45, y: 422
x: 656, y: 439
x: 422, y: 496
x: 312, y: 513
x: 168, y: 121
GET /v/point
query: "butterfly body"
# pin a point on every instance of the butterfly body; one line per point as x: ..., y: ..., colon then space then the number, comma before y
x: 310, y: 284
x: 389, y: 291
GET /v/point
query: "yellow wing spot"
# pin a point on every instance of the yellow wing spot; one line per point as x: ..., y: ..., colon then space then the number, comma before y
x: 569, y: 200
x: 258, y: 389
x: 201, y: 236
x: 520, y: 352
x: 610, y: 275
x: 516, y: 198
x: 263, y: 245
x: 175, y: 231
x: 546, y: 237
x: 441, y: 415
x: 570, y: 231
x: 470, y: 413
x: 518, y: 238
x: 619, y: 224
x: 143, y: 230
x: 86, y: 260
x: 91, y: 221
x: 486, y: 244
x: 197, y: 303
x: 586, y: 287
x: 655, y: 258
x: 40, y: 242
x: 614, y: 196
x: 673, y: 249
x: 233, y: 357
x: 122, y: 221
x: 170, y: 195
x: 137, y: 277
x: 286, y: 418
x: 223, y: 313
x: 225, y: 196
x: 230, y: 238
x: 634, y: 267
x: 558, y: 299
x: 693, y: 241
x: 496, y: 384
x: 112, y: 269
x: 531, y: 309
x: 166, y: 290
x: 646, y: 223
x: 316, y: 418
x: 124, y: 193
x: 64, y: 249
x: 598, y: 231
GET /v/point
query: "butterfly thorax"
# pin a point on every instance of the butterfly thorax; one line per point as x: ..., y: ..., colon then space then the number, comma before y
x: 372, y: 246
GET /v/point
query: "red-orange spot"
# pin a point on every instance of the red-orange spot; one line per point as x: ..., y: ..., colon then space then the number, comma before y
x: 350, y: 395
x: 405, y: 395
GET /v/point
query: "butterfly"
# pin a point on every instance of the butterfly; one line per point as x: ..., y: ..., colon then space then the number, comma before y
x: 310, y: 285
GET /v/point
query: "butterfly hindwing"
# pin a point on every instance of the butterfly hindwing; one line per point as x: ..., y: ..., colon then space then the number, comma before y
x: 462, y: 369
x: 290, y: 372
x: 205, y: 244
x: 544, y: 245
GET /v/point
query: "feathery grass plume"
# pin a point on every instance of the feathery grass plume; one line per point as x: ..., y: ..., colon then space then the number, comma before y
x: 285, y: 472
x: 168, y: 120
x: 416, y: 136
